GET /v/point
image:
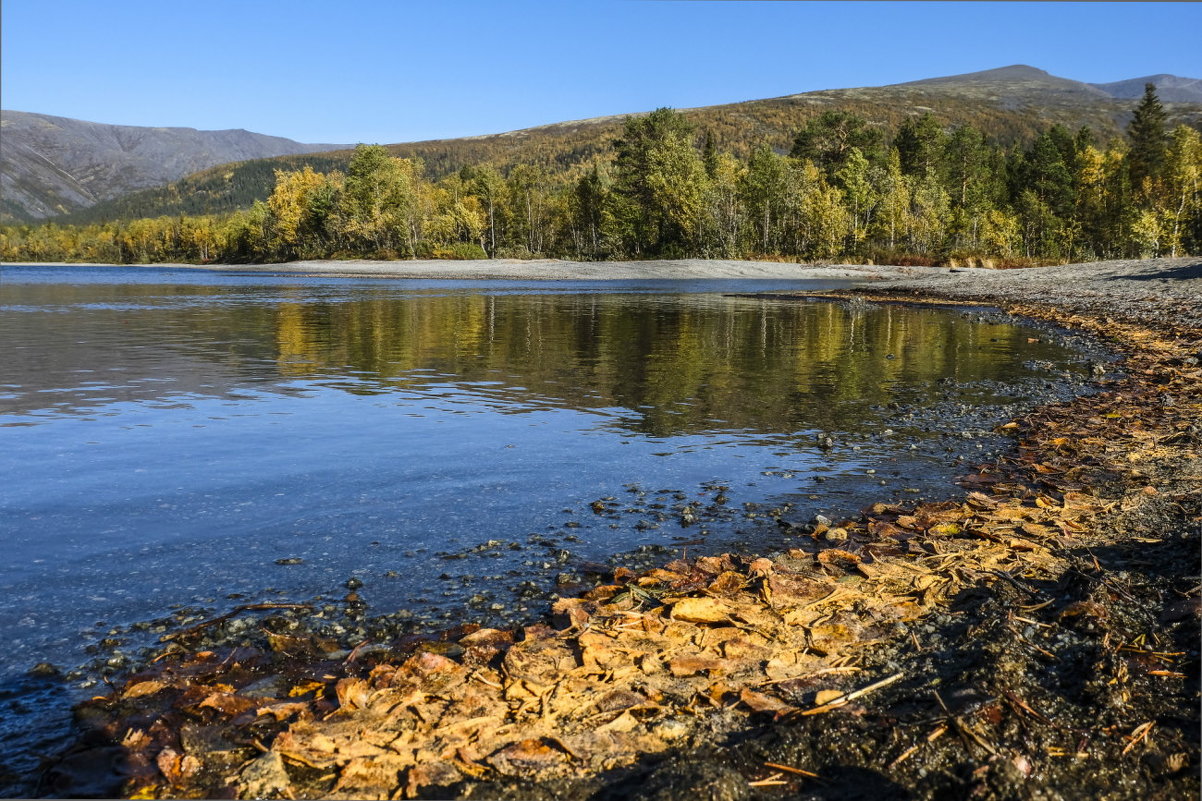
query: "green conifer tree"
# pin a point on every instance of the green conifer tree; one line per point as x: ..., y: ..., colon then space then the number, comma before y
x: 1149, y: 139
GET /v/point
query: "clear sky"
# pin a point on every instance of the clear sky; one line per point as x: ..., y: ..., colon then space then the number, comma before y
x: 344, y: 71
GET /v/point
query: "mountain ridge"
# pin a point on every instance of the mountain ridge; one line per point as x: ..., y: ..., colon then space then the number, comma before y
x: 51, y: 164
x: 1011, y: 104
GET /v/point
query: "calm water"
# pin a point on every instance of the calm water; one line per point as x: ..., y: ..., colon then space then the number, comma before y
x: 167, y: 435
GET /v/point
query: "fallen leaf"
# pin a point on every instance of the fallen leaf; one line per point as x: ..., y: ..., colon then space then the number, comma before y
x: 143, y: 688
x: 692, y: 665
x: 701, y: 610
x: 759, y: 702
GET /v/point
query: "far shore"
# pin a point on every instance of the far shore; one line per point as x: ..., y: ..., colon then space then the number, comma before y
x: 556, y: 270
x: 1167, y: 288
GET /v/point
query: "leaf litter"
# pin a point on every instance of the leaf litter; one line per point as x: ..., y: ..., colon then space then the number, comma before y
x: 974, y: 646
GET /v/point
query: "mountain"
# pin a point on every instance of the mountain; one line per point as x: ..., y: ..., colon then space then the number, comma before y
x: 1020, y: 82
x: 1169, y: 88
x: 1017, y: 81
x: 1010, y: 104
x: 52, y: 165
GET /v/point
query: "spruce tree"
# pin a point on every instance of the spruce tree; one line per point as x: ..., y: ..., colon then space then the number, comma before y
x: 1149, y: 139
x: 709, y: 155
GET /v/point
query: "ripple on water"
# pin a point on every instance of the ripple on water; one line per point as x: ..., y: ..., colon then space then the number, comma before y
x: 172, y: 435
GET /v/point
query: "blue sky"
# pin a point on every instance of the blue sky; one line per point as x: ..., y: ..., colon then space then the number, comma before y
x: 381, y: 71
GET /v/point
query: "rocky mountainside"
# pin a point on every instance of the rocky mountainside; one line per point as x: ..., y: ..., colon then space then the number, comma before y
x: 52, y: 165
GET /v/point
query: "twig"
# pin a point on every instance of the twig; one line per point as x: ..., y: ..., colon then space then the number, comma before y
x: 1139, y: 733
x: 772, y: 781
x: 909, y: 752
x: 788, y: 769
x: 844, y: 699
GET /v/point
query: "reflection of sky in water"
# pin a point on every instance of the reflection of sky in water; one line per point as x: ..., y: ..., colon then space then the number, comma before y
x: 166, y: 441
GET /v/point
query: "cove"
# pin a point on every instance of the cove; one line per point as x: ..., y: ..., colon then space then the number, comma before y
x: 176, y: 440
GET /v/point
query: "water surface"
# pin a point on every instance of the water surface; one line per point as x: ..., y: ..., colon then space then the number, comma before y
x: 166, y: 436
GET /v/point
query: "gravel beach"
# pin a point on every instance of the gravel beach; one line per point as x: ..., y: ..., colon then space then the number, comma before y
x: 1169, y: 289
x: 1149, y: 290
x: 1166, y: 289
x: 556, y: 270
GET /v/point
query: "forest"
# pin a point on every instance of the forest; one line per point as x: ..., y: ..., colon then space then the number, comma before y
x: 847, y: 190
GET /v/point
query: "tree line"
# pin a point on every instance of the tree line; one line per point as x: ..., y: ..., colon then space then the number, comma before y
x: 846, y: 190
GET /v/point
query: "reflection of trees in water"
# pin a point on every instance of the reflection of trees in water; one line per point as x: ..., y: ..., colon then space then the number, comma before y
x: 680, y: 363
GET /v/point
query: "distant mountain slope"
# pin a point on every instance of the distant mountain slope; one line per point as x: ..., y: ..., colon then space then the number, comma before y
x: 1010, y: 104
x: 51, y: 165
x: 1169, y: 88
x: 1016, y: 82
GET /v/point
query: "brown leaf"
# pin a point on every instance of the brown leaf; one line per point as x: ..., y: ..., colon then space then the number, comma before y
x: 660, y: 576
x: 880, y: 528
x: 283, y: 711
x: 701, y: 610
x: 727, y: 583
x: 619, y: 699
x: 796, y: 587
x: 371, y: 778
x: 981, y: 501
x: 143, y: 688
x: 838, y: 556
x: 759, y: 702
x: 527, y: 756
x: 227, y: 704
x: 168, y: 761
x: 1083, y: 609
x: 135, y: 739
x: 352, y: 693
x: 691, y: 665
x: 622, y: 723
x: 495, y: 637
x: 715, y: 564
x: 824, y: 697
x: 761, y: 566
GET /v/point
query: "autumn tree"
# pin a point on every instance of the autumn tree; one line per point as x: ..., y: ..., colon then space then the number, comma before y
x: 828, y: 140
x: 379, y: 204
x: 588, y: 208
x: 763, y: 196
x: 659, y: 184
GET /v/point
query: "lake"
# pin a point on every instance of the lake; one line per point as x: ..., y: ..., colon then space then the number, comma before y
x: 181, y: 441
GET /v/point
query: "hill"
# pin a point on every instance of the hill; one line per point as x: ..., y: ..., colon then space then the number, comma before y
x: 53, y: 165
x: 1011, y: 105
x: 1169, y: 88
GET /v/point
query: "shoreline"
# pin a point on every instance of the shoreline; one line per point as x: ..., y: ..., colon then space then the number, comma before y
x: 1052, y: 607
x: 557, y: 270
